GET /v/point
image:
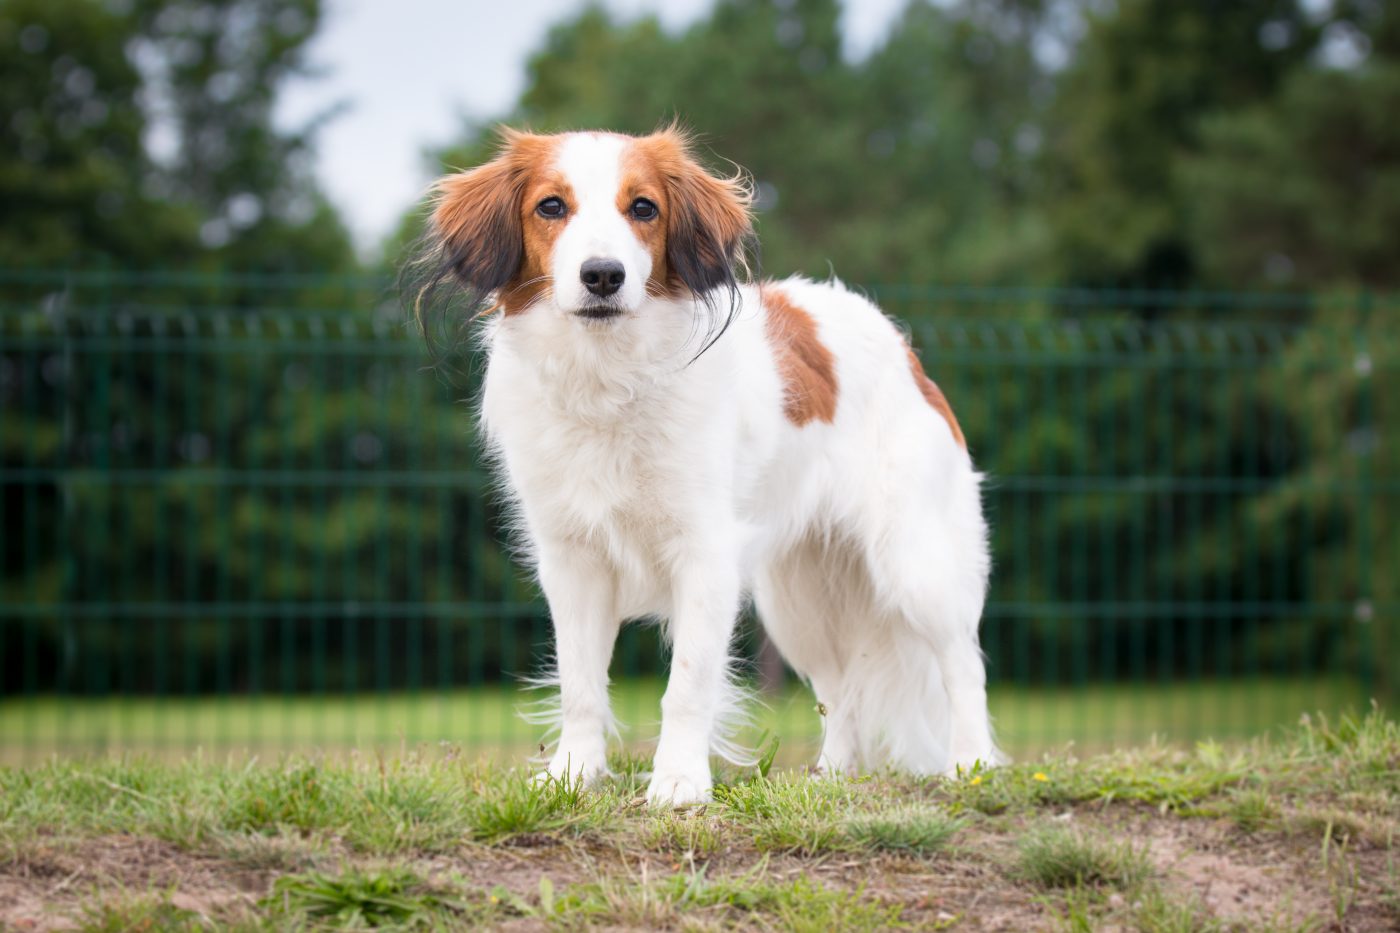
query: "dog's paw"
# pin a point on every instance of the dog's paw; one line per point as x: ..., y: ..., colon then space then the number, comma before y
x: 673, y: 788
x: 587, y: 769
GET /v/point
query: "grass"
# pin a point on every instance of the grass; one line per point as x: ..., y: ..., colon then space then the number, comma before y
x: 484, y: 720
x: 1157, y: 838
x: 357, y: 899
x: 1056, y: 857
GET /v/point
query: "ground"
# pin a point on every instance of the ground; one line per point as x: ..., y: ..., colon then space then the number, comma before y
x: 1295, y: 832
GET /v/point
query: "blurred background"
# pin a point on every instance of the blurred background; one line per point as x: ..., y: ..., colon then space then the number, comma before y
x: 1147, y: 247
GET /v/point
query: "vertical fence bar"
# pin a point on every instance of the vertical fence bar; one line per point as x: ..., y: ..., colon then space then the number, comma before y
x: 161, y: 533
x: 224, y: 463
x: 1364, y: 615
x: 66, y: 533
x: 252, y: 457
x: 31, y: 357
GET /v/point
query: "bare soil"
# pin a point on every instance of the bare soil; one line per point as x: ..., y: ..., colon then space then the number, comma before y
x: 1244, y: 881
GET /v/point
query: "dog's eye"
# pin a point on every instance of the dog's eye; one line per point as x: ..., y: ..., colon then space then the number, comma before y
x: 642, y: 209
x: 550, y: 207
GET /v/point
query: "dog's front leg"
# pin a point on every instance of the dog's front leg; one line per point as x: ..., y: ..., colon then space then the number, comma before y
x: 582, y: 605
x: 705, y: 596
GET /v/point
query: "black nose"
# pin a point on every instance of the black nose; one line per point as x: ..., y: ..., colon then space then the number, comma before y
x: 602, y: 277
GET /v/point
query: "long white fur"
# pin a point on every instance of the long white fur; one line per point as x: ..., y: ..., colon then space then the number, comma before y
x: 650, y: 483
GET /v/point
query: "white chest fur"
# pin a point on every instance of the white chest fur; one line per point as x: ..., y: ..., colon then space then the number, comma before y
x: 611, y: 451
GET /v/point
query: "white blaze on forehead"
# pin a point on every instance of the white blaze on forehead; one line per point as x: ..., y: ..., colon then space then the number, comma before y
x: 592, y: 164
x: 596, y: 228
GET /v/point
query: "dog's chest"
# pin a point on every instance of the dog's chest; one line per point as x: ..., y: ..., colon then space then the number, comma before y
x: 617, y: 482
x: 606, y: 480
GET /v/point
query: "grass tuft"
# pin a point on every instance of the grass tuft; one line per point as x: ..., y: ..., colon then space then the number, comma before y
x: 1252, y: 810
x: 520, y: 803
x: 366, y: 899
x: 1056, y: 857
x: 917, y: 830
x: 691, y: 900
x: 139, y: 915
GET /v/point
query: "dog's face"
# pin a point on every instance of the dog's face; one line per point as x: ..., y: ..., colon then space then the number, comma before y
x: 590, y: 225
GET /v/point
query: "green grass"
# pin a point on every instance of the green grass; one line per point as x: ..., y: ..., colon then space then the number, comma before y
x: 431, y: 839
x: 357, y: 899
x: 484, y: 721
x: 1056, y: 857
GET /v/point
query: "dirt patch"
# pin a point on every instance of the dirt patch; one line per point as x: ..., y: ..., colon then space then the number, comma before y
x: 1239, y: 879
x: 46, y: 886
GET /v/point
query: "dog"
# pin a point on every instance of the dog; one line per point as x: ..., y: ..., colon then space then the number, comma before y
x: 676, y: 440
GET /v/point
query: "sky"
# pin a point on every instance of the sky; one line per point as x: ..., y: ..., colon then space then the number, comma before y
x: 409, y: 72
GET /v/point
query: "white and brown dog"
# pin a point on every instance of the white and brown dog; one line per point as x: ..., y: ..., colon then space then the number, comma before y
x: 675, y: 440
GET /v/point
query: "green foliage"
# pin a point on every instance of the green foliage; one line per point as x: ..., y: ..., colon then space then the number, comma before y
x: 73, y: 168
x: 1186, y: 484
x: 83, y: 84
x: 949, y: 83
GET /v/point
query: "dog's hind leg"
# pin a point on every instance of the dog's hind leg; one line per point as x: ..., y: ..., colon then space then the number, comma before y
x: 803, y: 597
x: 929, y: 565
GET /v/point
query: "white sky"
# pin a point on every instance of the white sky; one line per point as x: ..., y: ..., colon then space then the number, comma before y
x: 411, y: 69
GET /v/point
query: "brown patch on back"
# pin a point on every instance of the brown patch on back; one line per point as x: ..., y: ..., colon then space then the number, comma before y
x: 934, y: 396
x: 806, y: 365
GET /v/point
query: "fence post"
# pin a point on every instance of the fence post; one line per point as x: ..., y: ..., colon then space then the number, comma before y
x: 1367, y: 440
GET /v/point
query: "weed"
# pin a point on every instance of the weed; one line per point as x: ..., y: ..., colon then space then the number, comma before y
x: 302, y: 797
x: 519, y: 804
x: 688, y: 834
x: 919, y: 830
x: 360, y: 899
x: 1156, y: 911
x: 1063, y: 858
x: 138, y: 915
x: 798, y: 905
x: 1252, y: 810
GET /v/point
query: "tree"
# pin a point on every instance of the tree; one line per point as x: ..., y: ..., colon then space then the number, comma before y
x: 74, y: 174
x: 83, y: 85
x: 1304, y: 189
x: 1128, y: 111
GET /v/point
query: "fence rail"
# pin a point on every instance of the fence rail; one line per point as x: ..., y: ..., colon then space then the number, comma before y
x: 240, y: 512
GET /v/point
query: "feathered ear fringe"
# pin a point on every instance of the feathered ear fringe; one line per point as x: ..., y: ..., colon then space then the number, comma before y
x: 472, y: 245
x: 709, y: 234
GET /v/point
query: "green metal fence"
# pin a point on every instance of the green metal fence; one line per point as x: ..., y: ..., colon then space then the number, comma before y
x: 240, y: 514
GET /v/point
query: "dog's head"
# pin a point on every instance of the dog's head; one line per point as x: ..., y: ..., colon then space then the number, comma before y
x: 586, y: 225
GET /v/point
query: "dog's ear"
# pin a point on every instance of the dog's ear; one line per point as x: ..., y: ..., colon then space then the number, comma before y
x: 474, y: 243
x: 476, y: 221
x: 708, y: 223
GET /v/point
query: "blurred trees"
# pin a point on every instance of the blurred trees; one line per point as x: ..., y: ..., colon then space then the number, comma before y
x: 1138, y: 144
x: 1144, y: 143
x: 141, y: 133
x: 138, y: 137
